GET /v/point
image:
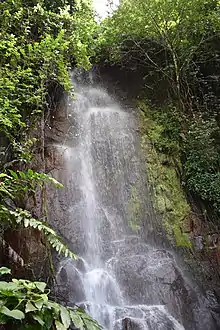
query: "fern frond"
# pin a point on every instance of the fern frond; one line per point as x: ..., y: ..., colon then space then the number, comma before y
x: 25, y: 218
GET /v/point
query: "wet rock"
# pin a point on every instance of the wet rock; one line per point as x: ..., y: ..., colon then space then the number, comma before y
x: 130, y: 324
x: 145, y: 318
x: 70, y: 284
x: 131, y: 311
x: 198, y: 243
x: 153, y: 278
x: 130, y: 245
x: 158, y: 318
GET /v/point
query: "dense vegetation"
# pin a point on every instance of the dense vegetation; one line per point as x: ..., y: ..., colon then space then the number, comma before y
x: 39, y: 42
x: 174, y: 47
x: 25, y: 305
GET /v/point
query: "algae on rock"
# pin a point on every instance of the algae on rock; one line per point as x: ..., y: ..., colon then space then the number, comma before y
x: 161, y: 147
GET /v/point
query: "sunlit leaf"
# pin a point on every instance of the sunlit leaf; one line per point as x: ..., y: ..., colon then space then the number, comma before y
x: 16, y: 314
x: 65, y: 316
x: 60, y: 326
x: 30, y: 307
x: 38, y: 319
x: 40, y: 285
x: 4, y: 270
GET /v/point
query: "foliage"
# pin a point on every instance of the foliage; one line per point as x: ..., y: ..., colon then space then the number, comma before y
x: 34, y: 56
x: 18, y: 183
x: 24, y: 217
x: 161, y: 38
x: 13, y: 188
x: 40, y: 41
x: 174, y: 47
x: 36, y: 53
x: 202, y: 159
x: 26, y: 305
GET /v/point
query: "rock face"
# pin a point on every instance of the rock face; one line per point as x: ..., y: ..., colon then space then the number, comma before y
x: 69, y: 282
x: 105, y: 215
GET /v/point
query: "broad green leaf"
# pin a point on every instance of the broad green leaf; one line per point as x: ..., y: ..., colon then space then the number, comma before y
x: 22, y: 175
x: 91, y: 325
x: 76, y: 319
x: 8, y: 286
x: 4, y: 270
x: 48, y: 319
x: 39, y: 303
x: 14, y: 174
x: 45, y: 298
x: 15, y: 313
x: 30, y: 173
x: 2, y: 303
x: 40, y: 285
x: 53, y: 304
x: 3, y: 319
x: 60, y: 326
x: 15, y: 280
x: 65, y: 316
x: 38, y: 319
x: 30, y: 307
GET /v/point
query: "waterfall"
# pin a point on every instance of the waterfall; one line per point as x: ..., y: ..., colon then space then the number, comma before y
x: 120, y: 280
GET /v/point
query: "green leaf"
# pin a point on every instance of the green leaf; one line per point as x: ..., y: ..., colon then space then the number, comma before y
x: 3, y: 175
x: 3, y: 319
x: 15, y: 313
x: 91, y: 325
x: 45, y: 298
x: 48, y: 319
x: 39, y: 303
x: 60, y: 326
x: 4, y: 270
x: 5, y: 286
x: 14, y: 174
x: 30, y: 173
x: 38, y: 319
x: 40, y: 285
x: 2, y: 303
x: 30, y: 307
x: 76, y: 319
x: 22, y: 175
x: 65, y: 316
x: 27, y: 284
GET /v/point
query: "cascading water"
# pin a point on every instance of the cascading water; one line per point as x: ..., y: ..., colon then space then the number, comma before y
x: 120, y: 280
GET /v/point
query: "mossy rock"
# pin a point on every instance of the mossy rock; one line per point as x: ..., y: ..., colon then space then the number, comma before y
x: 169, y: 199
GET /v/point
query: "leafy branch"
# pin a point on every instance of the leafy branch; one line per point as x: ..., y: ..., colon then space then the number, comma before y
x: 26, y: 305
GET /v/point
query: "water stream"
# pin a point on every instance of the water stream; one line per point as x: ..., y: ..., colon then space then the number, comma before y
x: 122, y: 281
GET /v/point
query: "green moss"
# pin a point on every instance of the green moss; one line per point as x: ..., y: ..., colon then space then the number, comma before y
x: 181, y: 238
x: 162, y: 159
